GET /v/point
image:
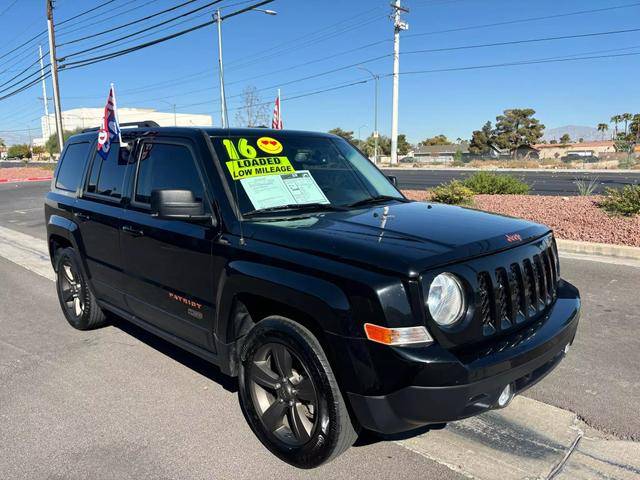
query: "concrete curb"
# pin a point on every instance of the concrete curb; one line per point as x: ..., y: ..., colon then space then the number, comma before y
x: 21, y: 180
x: 598, y: 249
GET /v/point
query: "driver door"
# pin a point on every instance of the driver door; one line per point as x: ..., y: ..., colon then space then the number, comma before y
x: 168, y: 263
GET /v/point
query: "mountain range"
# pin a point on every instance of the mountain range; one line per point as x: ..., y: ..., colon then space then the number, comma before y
x: 575, y: 132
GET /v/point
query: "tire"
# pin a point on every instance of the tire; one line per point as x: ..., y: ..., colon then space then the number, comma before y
x: 77, y: 301
x: 303, y: 420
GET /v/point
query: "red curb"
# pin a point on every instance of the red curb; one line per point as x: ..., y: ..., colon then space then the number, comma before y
x: 20, y: 180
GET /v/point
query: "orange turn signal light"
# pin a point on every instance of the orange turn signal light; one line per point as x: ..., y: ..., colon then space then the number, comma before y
x: 397, y: 336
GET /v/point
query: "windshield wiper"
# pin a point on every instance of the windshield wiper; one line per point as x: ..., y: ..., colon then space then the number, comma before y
x: 294, y: 206
x: 376, y: 199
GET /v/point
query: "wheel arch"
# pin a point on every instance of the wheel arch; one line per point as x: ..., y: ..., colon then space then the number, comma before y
x: 250, y: 292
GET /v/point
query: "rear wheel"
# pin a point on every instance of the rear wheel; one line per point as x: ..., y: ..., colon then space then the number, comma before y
x: 76, y: 299
x: 290, y: 396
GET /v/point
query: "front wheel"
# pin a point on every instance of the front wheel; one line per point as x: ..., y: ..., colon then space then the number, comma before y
x: 290, y: 396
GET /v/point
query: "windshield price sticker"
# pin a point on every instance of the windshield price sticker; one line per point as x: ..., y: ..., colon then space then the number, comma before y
x: 275, y: 191
x: 259, y: 167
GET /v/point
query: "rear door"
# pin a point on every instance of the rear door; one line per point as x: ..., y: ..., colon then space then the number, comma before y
x: 168, y: 263
x: 98, y: 213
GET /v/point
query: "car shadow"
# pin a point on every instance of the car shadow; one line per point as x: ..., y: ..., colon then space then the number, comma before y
x: 370, y: 438
x: 189, y: 360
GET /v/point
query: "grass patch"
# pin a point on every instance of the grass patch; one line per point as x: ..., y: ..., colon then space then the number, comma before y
x: 624, y: 201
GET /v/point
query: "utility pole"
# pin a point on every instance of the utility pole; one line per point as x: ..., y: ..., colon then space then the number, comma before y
x: 54, y: 72
x: 398, y: 26
x: 223, y: 99
x: 375, y: 113
x: 47, y: 132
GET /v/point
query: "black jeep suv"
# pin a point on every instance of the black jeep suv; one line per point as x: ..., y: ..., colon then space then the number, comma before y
x: 289, y: 260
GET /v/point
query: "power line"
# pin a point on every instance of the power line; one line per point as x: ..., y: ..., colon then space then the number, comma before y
x: 82, y: 24
x: 524, y: 20
x: 517, y: 42
x: 91, y: 10
x: 124, y: 25
x: 8, y: 7
x: 101, y: 58
x: 94, y: 47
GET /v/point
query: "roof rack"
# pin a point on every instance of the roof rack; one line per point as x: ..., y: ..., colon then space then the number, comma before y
x: 142, y: 124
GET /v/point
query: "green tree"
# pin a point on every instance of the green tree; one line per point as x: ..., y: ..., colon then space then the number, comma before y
x: 403, y: 145
x: 481, y: 140
x: 2, y: 144
x: 346, y: 134
x: 564, y: 139
x: 517, y: 127
x: 626, y: 118
x: 602, y: 128
x: 19, y: 151
x: 616, y: 119
x: 437, y: 140
x: 52, y: 143
x: 384, y: 145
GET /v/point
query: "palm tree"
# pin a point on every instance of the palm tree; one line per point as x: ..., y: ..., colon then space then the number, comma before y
x: 602, y: 128
x: 616, y: 119
x: 626, y: 118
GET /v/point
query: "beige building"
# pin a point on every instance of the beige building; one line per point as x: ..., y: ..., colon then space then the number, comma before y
x: 551, y: 150
x: 92, y: 117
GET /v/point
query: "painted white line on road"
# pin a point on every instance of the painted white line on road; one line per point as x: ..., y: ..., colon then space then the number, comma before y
x: 27, y: 251
x: 600, y: 258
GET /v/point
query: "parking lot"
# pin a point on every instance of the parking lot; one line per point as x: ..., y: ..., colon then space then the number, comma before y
x: 121, y: 403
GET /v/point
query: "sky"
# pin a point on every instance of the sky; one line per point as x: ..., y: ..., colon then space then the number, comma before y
x: 313, y: 45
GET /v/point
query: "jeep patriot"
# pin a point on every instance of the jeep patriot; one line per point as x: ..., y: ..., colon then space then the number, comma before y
x: 291, y: 262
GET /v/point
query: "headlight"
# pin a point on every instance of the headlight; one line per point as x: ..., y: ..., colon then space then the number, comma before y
x: 446, y: 300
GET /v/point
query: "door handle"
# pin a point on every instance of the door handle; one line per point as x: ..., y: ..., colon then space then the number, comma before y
x: 82, y: 216
x: 132, y: 231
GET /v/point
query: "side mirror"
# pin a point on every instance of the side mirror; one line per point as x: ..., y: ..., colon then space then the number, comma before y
x: 177, y: 205
x: 393, y: 179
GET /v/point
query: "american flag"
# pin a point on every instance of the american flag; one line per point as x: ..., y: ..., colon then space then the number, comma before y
x: 109, y: 130
x: 276, y: 123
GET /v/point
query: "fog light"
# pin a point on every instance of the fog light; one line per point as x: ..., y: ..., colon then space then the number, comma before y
x: 566, y: 348
x: 505, y: 397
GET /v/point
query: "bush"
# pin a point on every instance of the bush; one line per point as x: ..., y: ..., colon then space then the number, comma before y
x: 625, y: 201
x: 493, y: 184
x: 452, y: 193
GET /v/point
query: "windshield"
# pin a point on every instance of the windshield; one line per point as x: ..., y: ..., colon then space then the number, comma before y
x: 274, y: 173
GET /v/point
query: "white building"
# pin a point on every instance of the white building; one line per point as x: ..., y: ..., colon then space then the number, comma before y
x: 92, y: 117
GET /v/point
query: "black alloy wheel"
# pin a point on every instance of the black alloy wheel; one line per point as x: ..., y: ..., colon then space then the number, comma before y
x: 290, y: 396
x: 78, y: 302
x: 284, y: 395
x: 71, y: 288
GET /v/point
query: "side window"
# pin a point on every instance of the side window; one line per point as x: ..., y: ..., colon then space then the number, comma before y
x: 107, y: 176
x: 72, y: 166
x: 166, y: 166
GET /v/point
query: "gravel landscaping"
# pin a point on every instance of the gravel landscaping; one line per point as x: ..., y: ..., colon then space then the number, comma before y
x: 23, y: 173
x: 571, y: 218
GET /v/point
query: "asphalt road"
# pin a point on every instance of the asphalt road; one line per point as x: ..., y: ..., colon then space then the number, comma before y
x: 541, y: 182
x: 121, y: 403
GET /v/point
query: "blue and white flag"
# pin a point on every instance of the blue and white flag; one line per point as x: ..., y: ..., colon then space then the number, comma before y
x: 109, y: 130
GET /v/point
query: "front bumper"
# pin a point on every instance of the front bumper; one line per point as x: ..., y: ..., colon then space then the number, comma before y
x: 521, y: 359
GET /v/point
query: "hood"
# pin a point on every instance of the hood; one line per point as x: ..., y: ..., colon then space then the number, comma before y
x: 405, y: 238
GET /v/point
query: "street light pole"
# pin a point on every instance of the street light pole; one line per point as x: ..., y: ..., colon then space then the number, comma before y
x: 223, y: 99
x: 217, y: 18
x: 375, y: 113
